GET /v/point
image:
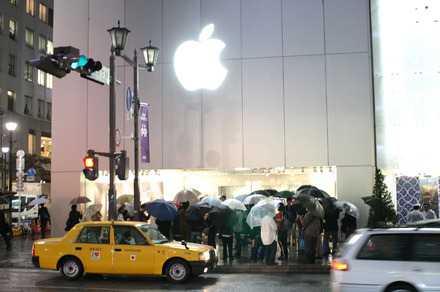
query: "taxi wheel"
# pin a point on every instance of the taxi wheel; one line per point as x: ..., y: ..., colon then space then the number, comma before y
x: 71, y: 268
x: 177, y: 271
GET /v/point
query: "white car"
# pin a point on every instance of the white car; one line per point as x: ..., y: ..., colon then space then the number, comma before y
x: 389, y: 259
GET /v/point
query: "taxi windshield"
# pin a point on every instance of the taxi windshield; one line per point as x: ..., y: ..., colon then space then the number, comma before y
x: 153, y: 234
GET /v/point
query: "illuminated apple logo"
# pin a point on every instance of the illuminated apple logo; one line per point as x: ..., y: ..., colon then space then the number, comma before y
x: 197, y: 64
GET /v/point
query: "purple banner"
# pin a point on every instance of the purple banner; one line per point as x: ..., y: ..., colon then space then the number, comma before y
x: 145, y: 135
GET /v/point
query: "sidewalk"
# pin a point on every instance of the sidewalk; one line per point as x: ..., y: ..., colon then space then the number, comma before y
x: 19, y: 256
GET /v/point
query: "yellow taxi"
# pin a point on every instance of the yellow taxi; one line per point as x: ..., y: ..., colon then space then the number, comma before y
x: 122, y: 247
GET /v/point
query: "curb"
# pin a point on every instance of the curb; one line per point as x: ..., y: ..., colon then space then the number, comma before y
x: 297, y: 269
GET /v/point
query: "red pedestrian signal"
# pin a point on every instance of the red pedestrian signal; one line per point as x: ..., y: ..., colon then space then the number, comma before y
x: 91, y: 170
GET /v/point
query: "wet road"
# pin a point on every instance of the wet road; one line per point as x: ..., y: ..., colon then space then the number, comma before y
x: 24, y: 279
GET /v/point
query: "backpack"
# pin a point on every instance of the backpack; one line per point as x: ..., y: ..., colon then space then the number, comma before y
x: 285, y: 222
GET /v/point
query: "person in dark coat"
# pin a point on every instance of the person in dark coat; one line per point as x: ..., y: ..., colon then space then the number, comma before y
x: 331, y: 229
x: 348, y: 223
x: 184, y: 227
x: 212, y: 231
x: 5, y: 229
x: 196, y: 228
x: 44, y: 215
x: 164, y: 227
x: 74, y: 217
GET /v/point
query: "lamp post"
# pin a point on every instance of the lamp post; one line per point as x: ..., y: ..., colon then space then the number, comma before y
x: 11, y: 126
x: 118, y: 37
x: 4, y: 151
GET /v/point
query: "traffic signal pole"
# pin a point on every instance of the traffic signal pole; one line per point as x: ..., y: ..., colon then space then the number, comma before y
x: 112, y: 145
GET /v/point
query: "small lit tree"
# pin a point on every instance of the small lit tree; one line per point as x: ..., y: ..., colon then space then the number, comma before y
x: 382, y: 210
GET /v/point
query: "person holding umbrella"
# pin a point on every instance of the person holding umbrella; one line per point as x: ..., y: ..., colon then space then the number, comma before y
x: 44, y: 215
x: 312, y: 230
x: 73, y: 219
x: 268, y: 237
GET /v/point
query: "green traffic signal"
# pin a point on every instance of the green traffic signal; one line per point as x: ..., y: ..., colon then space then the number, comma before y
x: 81, y: 62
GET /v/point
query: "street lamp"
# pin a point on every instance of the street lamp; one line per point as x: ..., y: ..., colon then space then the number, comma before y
x: 118, y: 37
x: 11, y: 126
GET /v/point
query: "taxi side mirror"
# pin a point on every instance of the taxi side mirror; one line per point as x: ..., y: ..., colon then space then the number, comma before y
x: 184, y: 243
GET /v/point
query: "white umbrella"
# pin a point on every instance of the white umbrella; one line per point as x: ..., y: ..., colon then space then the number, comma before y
x: 254, y: 199
x: 125, y: 199
x: 38, y: 201
x: 92, y: 210
x: 186, y: 195
x: 234, y: 204
x: 260, y: 210
x: 212, y: 201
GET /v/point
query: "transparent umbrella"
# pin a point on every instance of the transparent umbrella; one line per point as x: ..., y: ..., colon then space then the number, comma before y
x: 234, y: 204
x: 260, y: 210
x: 349, y: 208
x: 254, y: 199
x: 186, y: 195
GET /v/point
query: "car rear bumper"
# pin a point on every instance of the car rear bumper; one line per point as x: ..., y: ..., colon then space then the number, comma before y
x: 36, y: 261
x: 198, y: 268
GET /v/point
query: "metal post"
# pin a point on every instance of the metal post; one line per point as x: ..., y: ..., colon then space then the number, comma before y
x: 136, y: 104
x: 10, y: 161
x: 112, y: 146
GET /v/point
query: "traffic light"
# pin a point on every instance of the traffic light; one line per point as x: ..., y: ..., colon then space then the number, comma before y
x: 122, y: 162
x: 50, y: 64
x: 91, y: 166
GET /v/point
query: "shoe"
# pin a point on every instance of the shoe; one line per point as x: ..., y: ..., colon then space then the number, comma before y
x: 281, y: 258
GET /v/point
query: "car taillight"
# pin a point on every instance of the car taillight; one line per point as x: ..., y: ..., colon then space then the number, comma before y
x: 340, y: 266
x: 33, y: 249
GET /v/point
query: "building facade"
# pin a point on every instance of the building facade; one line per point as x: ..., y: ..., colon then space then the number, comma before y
x: 26, y: 32
x: 297, y: 96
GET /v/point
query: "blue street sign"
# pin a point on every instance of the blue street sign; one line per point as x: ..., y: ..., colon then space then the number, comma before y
x: 31, y: 172
x: 128, y: 98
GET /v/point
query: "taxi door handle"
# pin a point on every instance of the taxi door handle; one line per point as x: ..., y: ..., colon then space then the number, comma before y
x: 417, y: 269
x: 117, y: 249
x: 78, y: 248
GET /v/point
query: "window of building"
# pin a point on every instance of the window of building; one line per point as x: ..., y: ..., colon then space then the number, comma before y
x: 11, y: 65
x: 41, y: 79
x: 49, y: 111
x: 11, y: 99
x: 46, y: 145
x: 28, y: 72
x: 28, y: 105
x: 49, y: 81
x: 50, y: 47
x: 12, y: 29
x: 30, y: 7
x: 29, y: 37
x: 42, y: 43
x: 50, y: 19
x: 32, y: 140
x: 43, y: 12
x: 40, y: 113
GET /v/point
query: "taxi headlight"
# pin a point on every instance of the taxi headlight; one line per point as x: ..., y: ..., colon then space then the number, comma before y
x: 204, y: 256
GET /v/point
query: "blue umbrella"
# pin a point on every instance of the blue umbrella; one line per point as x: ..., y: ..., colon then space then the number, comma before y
x: 162, y: 210
x: 212, y: 201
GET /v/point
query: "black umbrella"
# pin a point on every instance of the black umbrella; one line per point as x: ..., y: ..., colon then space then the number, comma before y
x: 284, y: 194
x: 271, y: 192
x: 221, y: 216
x: 311, y: 191
x: 197, y: 211
x: 298, y: 207
x: 368, y: 200
x: 330, y: 205
x: 261, y: 192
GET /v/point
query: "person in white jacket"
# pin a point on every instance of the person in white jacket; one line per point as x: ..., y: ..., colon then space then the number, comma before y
x: 269, y: 239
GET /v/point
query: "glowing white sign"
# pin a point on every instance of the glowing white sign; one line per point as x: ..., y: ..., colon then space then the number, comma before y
x: 197, y: 64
